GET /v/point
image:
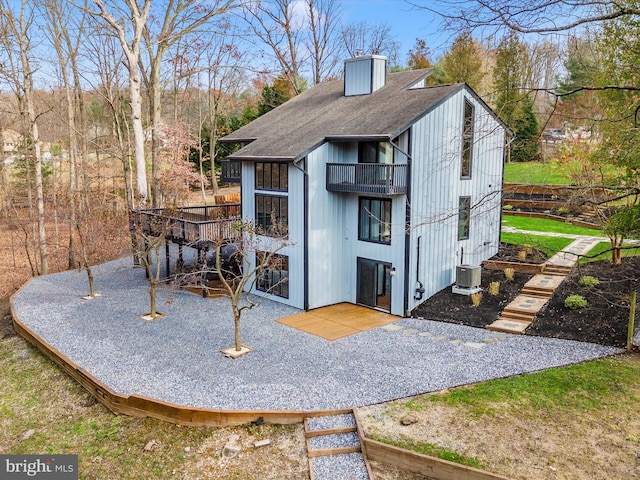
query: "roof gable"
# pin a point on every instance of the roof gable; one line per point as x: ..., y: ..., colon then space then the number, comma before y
x: 292, y: 130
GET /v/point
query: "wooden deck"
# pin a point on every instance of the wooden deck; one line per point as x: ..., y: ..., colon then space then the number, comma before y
x: 338, y: 321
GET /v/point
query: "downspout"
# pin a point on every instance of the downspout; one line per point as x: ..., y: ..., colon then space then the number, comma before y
x: 305, y: 202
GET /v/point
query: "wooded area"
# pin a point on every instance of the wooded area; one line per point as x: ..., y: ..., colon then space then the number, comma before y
x: 110, y: 106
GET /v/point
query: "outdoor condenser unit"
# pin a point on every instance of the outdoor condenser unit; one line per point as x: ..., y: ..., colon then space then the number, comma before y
x: 468, y: 276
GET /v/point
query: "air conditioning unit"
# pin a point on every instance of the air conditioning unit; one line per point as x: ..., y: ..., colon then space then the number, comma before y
x: 468, y: 276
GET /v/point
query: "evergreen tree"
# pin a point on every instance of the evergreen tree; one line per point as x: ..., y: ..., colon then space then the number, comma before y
x: 526, y: 146
x: 463, y: 62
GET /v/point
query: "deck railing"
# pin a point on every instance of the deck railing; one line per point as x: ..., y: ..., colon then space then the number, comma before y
x: 231, y: 171
x: 190, y: 225
x: 367, y: 178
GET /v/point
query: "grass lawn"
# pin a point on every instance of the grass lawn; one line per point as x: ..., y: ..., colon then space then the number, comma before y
x: 602, y: 251
x: 550, y: 173
x: 547, y: 225
x: 530, y: 425
x: 549, y: 245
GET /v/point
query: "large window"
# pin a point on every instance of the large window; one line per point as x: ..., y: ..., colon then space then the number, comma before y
x: 274, y: 276
x: 272, y: 176
x: 272, y: 214
x: 374, y: 220
x: 464, y: 216
x: 375, y: 152
x: 467, y: 141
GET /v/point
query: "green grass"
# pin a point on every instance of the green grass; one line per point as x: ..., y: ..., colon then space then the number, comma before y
x: 585, y: 387
x: 547, y: 225
x: 431, y: 450
x: 539, y: 173
x: 602, y: 251
x: 549, y: 245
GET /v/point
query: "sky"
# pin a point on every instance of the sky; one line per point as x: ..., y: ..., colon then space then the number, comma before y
x: 407, y: 23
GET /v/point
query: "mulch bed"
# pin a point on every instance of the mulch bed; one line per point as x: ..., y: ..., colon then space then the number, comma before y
x: 604, y: 320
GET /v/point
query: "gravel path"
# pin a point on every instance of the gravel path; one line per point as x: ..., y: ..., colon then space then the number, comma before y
x: 177, y: 358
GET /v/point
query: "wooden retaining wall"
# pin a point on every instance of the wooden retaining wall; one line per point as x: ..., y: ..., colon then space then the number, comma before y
x: 532, y: 268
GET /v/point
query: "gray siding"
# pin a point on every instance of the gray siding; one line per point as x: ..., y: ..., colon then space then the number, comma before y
x: 295, y: 248
x: 437, y: 186
x: 364, y: 75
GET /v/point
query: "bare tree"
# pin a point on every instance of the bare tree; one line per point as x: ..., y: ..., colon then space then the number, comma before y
x: 363, y: 38
x: 323, y: 44
x: 278, y: 26
x: 180, y: 19
x: 129, y: 34
x: 17, y: 29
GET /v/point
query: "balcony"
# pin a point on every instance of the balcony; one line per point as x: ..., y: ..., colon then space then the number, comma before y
x: 377, y: 178
x: 192, y: 226
x: 231, y: 171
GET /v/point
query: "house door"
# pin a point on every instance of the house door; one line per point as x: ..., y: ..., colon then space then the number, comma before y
x: 374, y: 284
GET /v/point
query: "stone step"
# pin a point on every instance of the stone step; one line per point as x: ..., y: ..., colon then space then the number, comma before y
x: 557, y: 270
x: 526, y: 304
x: 518, y: 316
x: 508, y: 326
x: 537, y: 292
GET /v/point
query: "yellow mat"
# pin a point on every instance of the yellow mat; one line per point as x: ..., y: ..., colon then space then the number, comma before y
x: 338, y: 321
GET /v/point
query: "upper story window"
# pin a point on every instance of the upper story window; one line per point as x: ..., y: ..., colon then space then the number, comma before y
x: 375, y: 152
x: 272, y: 214
x: 464, y: 217
x: 467, y: 140
x: 374, y: 223
x: 272, y: 176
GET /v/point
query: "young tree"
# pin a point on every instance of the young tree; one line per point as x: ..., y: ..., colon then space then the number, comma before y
x: 253, y: 262
x: 623, y: 224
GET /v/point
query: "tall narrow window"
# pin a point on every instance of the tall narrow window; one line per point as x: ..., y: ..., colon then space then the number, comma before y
x: 272, y: 214
x: 467, y: 141
x: 272, y: 176
x: 464, y: 216
x: 274, y: 277
x: 375, y: 220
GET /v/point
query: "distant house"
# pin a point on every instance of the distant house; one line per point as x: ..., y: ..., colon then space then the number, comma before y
x: 385, y: 184
x: 10, y: 142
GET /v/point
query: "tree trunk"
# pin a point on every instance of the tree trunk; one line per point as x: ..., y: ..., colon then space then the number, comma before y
x: 236, y: 321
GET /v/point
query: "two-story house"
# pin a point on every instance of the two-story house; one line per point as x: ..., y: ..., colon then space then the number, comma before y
x: 385, y: 185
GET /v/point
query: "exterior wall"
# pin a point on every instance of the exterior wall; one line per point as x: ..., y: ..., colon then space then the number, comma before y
x: 295, y: 248
x: 333, y: 234
x: 437, y: 186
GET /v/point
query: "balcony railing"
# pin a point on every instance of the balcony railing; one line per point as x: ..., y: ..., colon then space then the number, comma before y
x: 195, y: 226
x: 367, y: 178
x: 231, y: 171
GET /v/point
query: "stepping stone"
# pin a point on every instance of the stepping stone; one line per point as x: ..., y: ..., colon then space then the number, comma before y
x: 475, y: 344
x: 508, y: 326
x: 410, y: 331
x: 392, y: 328
x: 425, y: 334
x: 455, y: 342
x: 441, y: 337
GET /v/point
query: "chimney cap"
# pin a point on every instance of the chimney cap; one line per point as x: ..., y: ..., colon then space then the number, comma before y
x: 365, y: 57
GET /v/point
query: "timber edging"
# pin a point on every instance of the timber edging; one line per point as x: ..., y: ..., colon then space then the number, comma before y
x: 139, y: 406
x: 517, y: 266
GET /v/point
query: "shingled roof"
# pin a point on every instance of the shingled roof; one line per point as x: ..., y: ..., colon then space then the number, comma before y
x: 322, y: 113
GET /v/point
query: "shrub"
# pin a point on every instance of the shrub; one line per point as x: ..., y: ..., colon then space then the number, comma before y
x: 476, y: 298
x: 522, y: 255
x: 562, y: 211
x: 574, y: 302
x: 509, y: 273
x: 494, y: 288
x: 508, y: 207
x: 588, y: 281
x: 528, y: 248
